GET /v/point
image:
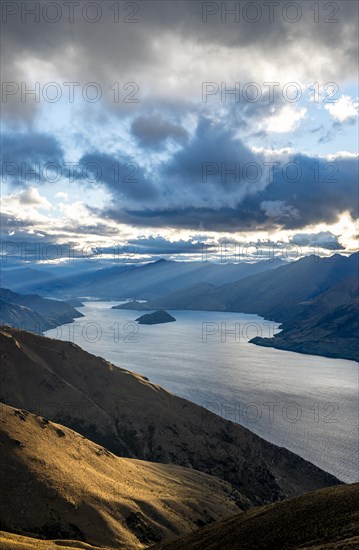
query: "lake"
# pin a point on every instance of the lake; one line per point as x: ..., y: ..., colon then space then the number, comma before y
x: 306, y: 403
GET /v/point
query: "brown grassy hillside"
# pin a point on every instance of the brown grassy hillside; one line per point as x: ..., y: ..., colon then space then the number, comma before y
x: 11, y: 541
x: 132, y: 417
x: 56, y: 484
x: 324, y: 520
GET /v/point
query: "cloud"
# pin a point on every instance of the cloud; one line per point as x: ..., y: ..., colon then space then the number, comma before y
x: 203, y: 187
x: 344, y: 109
x: 156, y: 244
x: 171, y: 50
x: 278, y: 210
x: 32, y: 197
x: 172, y: 160
x: 152, y: 131
x: 62, y: 195
x: 29, y: 157
x: 286, y: 120
x: 323, y: 239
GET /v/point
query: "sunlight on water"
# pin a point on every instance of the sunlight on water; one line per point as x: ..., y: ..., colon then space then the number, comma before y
x: 303, y: 402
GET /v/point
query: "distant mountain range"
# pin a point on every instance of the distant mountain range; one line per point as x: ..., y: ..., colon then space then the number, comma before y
x: 141, y: 281
x: 33, y: 312
x: 314, y: 298
x: 274, y: 294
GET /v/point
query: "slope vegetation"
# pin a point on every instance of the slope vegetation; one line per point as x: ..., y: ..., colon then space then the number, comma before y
x: 57, y: 484
x: 323, y: 520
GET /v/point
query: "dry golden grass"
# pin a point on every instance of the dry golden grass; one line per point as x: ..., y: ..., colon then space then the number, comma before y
x: 324, y: 520
x: 10, y: 541
x: 58, y: 485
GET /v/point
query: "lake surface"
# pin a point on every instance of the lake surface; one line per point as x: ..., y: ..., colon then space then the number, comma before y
x: 306, y: 403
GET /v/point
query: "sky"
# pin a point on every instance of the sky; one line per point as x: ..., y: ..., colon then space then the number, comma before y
x: 167, y: 128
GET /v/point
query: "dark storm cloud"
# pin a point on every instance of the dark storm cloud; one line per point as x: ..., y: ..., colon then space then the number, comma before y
x: 199, y: 219
x: 123, y: 176
x: 152, y: 131
x: 28, y: 157
x: 205, y: 164
x: 313, y: 190
x: 303, y: 191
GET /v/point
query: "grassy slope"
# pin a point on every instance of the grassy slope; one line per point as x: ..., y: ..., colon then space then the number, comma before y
x: 11, y: 541
x: 57, y: 484
x: 325, y: 519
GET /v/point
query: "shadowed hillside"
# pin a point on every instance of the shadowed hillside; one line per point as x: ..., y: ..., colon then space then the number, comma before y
x: 326, y: 325
x: 33, y: 312
x: 323, y: 520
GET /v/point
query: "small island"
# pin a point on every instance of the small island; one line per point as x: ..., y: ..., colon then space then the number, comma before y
x: 155, y: 318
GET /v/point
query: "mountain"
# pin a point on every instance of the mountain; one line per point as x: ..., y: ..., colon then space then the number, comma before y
x: 134, y: 418
x: 20, y: 316
x: 57, y: 484
x: 327, y: 325
x: 315, y: 299
x: 33, y: 312
x: 156, y: 278
x: 140, y: 281
x: 155, y: 318
x: 323, y: 520
x: 28, y: 280
x: 274, y: 294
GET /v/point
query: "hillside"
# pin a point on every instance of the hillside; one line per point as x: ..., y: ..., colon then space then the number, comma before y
x: 135, y: 418
x: 57, y: 484
x: 19, y: 316
x: 323, y: 520
x: 331, y: 334
x: 33, y: 312
x: 11, y: 541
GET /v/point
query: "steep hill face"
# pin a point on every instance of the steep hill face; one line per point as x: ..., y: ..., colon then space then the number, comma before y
x: 33, y: 312
x: 20, y: 316
x: 326, y: 325
x: 132, y: 417
x: 323, y: 520
x: 57, y: 484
